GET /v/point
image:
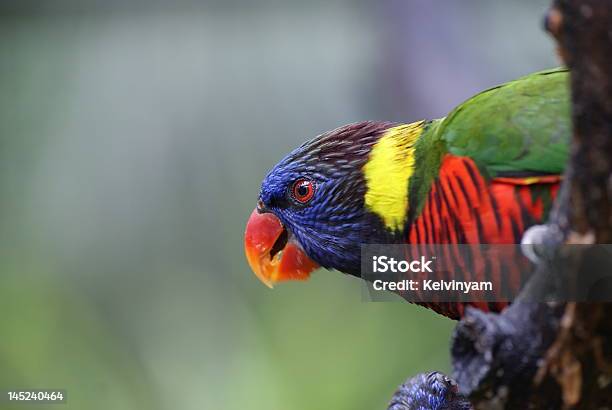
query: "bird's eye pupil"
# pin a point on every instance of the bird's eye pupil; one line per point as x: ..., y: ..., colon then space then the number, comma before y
x: 303, y: 190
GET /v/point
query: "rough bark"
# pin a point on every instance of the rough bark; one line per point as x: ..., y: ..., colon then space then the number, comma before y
x: 560, y: 357
x: 553, y: 355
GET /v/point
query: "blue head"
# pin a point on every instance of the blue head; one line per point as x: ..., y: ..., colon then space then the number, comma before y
x: 317, y: 193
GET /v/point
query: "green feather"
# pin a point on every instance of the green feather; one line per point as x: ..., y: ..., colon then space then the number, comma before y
x: 518, y: 128
x: 521, y: 127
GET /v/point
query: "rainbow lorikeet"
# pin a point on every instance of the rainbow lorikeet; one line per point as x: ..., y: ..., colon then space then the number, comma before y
x: 483, y: 174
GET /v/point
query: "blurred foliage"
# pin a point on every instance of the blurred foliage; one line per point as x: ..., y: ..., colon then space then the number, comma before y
x: 133, y: 138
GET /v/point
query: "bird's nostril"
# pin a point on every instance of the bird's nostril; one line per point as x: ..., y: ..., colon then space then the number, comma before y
x: 260, y: 206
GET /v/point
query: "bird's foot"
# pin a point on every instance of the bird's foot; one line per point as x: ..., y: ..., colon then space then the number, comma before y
x: 431, y: 391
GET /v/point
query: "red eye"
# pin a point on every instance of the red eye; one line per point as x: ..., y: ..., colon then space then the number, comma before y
x: 302, y: 190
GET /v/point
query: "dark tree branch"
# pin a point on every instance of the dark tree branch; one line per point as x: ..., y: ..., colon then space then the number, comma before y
x: 552, y: 366
x: 552, y: 355
x: 583, y: 30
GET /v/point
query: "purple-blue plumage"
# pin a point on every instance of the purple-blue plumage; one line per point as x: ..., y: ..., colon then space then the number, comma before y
x: 334, y: 224
x: 429, y: 391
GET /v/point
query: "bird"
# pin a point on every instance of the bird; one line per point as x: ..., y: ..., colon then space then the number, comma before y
x: 483, y: 174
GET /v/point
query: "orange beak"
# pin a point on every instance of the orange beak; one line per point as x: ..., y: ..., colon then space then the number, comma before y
x: 271, y: 253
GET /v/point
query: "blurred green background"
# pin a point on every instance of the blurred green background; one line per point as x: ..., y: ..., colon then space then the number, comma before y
x: 133, y: 138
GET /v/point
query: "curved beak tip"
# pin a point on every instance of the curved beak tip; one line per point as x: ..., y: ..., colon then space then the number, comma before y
x: 270, y: 254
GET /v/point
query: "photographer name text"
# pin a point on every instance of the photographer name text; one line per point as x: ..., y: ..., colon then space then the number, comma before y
x: 384, y: 264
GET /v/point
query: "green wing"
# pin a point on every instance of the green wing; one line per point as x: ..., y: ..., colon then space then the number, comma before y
x: 519, y: 128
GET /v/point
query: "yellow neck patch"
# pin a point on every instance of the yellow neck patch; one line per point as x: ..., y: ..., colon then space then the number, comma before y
x: 388, y: 171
